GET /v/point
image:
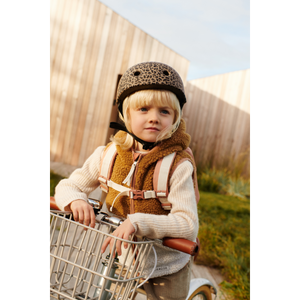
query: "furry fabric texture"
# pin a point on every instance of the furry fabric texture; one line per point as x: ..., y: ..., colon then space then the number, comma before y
x: 143, y: 178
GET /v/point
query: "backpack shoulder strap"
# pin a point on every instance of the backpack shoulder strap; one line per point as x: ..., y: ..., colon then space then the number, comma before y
x: 161, y: 179
x: 106, y: 165
x: 190, y: 152
x: 192, y: 161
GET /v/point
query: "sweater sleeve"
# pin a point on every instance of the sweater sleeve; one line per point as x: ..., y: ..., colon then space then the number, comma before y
x: 80, y: 183
x: 182, y: 221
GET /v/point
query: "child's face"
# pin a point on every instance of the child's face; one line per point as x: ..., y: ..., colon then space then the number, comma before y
x: 147, y: 122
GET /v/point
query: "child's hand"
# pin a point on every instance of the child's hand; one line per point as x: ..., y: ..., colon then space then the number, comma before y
x: 83, y: 212
x: 123, y: 231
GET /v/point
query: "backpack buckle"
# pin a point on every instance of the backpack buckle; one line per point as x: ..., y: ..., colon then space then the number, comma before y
x: 137, y: 194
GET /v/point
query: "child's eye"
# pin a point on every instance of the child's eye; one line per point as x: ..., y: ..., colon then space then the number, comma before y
x: 164, y: 111
x: 143, y: 109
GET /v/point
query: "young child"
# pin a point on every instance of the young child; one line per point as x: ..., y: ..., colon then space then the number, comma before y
x: 150, y: 99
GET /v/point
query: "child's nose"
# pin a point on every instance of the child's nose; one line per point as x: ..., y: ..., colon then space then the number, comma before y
x: 154, y: 116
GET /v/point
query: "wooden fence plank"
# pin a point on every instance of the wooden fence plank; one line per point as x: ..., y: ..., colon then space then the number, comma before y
x: 60, y: 85
x: 154, y: 50
x: 119, y: 54
x: 67, y: 80
x: 92, y: 104
x: 141, y: 47
x: 134, y: 47
x: 128, y: 47
x: 97, y: 135
x: 96, y: 100
x: 218, y: 116
x: 94, y: 38
x: 90, y: 47
x: 79, y: 72
x: 84, y: 43
x: 147, y: 50
x: 57, y: 51
x: 53, y: 9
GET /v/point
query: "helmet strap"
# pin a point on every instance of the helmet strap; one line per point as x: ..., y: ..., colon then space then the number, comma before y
x: 146, y: 145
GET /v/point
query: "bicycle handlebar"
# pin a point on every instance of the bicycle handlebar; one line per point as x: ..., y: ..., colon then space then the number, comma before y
x: 182, y: 245
x: 53, y: 204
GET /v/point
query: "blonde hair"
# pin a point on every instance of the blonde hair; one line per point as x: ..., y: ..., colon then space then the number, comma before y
x: 143, y: 98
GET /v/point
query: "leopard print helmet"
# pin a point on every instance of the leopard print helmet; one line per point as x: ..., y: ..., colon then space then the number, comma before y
x: 150, y: 75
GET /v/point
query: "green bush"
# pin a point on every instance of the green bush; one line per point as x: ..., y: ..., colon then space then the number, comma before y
x: 209, y: 184
x: 212, y: 180
x: 54, y: 180
x: 238, y: 187
x: 223, y: 182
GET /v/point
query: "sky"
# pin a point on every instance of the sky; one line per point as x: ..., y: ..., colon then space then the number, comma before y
x: 213, y: 35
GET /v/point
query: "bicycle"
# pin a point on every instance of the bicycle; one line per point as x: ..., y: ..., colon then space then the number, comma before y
x: 78, y: 270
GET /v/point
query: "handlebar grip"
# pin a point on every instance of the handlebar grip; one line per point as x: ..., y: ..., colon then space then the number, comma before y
x: 182, y: 245
x: 94, y: 203
x: 53, y: 204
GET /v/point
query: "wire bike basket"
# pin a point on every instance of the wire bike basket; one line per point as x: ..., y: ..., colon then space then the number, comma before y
x: 78, y: 270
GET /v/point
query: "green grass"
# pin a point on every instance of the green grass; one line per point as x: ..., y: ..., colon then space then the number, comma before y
x: 54, y: 180
x: 224, y: 235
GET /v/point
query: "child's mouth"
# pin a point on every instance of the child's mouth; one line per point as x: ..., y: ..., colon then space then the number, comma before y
x: 152, y: 129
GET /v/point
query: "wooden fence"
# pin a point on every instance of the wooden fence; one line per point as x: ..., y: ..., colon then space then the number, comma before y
x: 90, y: 47
x: 217, y: 114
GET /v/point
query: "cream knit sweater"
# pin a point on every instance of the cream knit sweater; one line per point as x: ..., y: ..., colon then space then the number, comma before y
x: 181, y: 222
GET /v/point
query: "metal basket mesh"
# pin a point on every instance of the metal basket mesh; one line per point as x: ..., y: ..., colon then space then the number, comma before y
x: 78, y: 270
